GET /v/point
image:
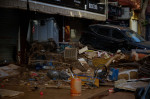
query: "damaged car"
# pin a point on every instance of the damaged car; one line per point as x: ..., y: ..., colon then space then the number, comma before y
x: 111, y: 38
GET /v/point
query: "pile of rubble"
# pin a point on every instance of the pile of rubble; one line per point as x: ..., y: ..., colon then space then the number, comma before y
x: 49, y: 69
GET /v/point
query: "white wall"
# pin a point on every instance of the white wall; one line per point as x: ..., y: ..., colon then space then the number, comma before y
x: 134, y: 25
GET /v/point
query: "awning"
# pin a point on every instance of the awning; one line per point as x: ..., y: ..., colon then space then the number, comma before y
x: 52, y: 9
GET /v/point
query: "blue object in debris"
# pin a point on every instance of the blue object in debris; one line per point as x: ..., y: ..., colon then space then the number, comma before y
x: 113, y: 74
x: 50, y: 64
x: 32, y: 79
x: 38, y: 67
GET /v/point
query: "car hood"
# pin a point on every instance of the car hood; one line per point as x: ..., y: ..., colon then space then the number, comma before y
x: 145, y: 44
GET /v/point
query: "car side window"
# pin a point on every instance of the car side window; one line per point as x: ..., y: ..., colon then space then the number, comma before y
x: 103, y: 31
x: 117, y: 34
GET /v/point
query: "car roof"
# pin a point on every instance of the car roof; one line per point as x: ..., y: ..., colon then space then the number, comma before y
x: 110, y: 26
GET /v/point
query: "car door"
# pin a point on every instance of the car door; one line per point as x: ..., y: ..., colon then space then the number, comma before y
x: 103, y: 36
x: 89, y: 37
x: 118, y: 40
x: 92, y: 36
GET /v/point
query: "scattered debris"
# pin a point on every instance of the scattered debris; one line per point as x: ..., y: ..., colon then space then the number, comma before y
x: 137, y: 56
x: 113, y: 74
x: 128, y: 74
x: 91, y: 54
x: 132, y: 86
x: 93, y: 67
x: 116, y: 57
x: 83, y: 50
x: 77, y: 71
x: 84, y: 63
x: 144, y: 68
x: 70, y: 53
x: 53, y: 74
x: 9, y: 93
x: 8, y: 71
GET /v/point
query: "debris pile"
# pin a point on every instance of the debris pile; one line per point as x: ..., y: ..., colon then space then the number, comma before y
x: 9, y: 70
x: 95, y: 68
x: 144, y: 69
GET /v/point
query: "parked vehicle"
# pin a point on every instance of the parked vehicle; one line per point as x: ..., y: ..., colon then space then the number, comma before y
x: 111, y: 38
x: 142, y: 93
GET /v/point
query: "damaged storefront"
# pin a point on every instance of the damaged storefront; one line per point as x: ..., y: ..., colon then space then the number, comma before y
x: 62, y: 12
x: 8, y: 35
x: 52, y: 63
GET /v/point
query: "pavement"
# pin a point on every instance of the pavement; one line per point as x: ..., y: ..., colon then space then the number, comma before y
x: 53, y: 93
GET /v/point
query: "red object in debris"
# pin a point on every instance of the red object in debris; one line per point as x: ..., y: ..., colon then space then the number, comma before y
x: 2, y: 86
x: 142, y: 55
x: 137, y: 56
x: 41, y: 93
x: 34, y: 74
x: 111, y: 90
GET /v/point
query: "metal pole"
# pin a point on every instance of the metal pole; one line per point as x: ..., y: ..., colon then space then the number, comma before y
x: 63, y: 30
x: 106, y: 8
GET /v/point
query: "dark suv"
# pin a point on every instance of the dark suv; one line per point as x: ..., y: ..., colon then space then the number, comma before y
x: 112, y: 38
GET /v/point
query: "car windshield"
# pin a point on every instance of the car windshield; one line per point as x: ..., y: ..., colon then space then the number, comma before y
x: 134, y: 36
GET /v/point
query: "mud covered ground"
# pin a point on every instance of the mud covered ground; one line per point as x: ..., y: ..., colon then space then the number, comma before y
x: 55, y: 93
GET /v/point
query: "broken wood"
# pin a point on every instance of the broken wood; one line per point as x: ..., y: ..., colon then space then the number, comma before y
x: 83, y: 50
x: 84, y: 63
x: 111, y: 59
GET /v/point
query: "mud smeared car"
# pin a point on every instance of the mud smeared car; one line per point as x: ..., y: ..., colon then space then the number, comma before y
x: 112, y: 38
